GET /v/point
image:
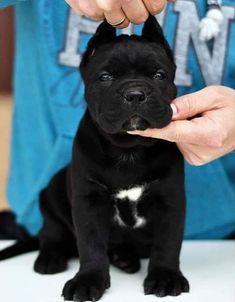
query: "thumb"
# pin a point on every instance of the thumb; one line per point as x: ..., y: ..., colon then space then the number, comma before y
x: 194, y: 132
x: 193, y: 104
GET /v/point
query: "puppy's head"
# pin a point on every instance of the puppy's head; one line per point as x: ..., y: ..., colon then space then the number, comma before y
x: 129, y: 82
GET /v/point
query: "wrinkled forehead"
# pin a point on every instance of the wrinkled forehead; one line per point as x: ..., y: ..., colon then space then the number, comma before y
x: 133, y: 52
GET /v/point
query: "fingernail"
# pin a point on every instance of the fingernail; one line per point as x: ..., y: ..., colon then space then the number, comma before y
x: 174, y: 110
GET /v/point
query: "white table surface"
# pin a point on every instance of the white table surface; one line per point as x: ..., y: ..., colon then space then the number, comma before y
x: 208, y: 265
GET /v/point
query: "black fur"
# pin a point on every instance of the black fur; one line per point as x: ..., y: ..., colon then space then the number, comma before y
x: 129, y: 84
x: 9, y: 229
x: 21, y: 247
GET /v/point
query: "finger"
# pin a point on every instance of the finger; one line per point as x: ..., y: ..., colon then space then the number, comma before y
x: 91, y: 9
x: 196, y: 103
x: 135, y: 11
x: 117, y: 19
x: 113, y: 12
x: 190, y: 132
x: 75, y: 6
x: 108, y: 5
x: 155, y: 6
x: 124, y: 24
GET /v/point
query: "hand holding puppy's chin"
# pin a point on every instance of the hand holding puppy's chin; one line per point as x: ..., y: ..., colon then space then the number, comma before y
x: 202, y: 125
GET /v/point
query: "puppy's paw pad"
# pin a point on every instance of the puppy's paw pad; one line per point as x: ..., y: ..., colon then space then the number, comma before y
x: 162, y: 282
x: 50, y: 263
x: 85, y: 287
x: 124, y: 260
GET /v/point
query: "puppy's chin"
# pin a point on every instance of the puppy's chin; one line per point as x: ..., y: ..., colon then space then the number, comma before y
x: 135, y: 123
x: 121, y: 138
x: 125, y: 140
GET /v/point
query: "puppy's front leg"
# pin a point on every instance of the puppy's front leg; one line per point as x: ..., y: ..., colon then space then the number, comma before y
x: 91, y: 217
x: 164, y: 276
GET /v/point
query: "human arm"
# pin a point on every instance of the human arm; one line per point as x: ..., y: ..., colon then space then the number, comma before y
x: 203, y: 125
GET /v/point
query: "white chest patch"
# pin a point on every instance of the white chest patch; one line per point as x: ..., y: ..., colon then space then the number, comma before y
x: 131, y: 196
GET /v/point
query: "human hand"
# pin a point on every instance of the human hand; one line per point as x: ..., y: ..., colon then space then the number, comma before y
x: 120, y: 12
x: 203, y: 125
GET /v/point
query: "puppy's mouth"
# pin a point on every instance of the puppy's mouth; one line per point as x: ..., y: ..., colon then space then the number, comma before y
x: 135, y: 122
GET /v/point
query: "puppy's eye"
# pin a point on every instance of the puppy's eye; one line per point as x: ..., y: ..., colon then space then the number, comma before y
x: 104, y: 77
x: 160, y: 75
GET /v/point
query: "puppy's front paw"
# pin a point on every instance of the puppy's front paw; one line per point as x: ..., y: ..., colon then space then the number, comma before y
x: 163, y: 281
x: 86, y: 286
x: 50, y: 263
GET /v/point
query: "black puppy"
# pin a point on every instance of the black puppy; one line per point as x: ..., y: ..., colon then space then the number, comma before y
x: 122, y: 197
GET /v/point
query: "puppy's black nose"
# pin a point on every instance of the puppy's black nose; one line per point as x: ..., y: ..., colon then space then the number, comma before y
x: 135, y: 96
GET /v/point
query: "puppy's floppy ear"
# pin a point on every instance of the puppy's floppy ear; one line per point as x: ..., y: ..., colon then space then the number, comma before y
x: 105, y: 33
x: 152, y: 32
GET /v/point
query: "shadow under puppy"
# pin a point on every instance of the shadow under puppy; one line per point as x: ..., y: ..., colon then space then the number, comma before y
x: 122, y: 196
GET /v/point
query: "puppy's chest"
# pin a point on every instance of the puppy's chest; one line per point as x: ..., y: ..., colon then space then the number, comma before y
x: 134, y: 199
x: 130, y: 206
